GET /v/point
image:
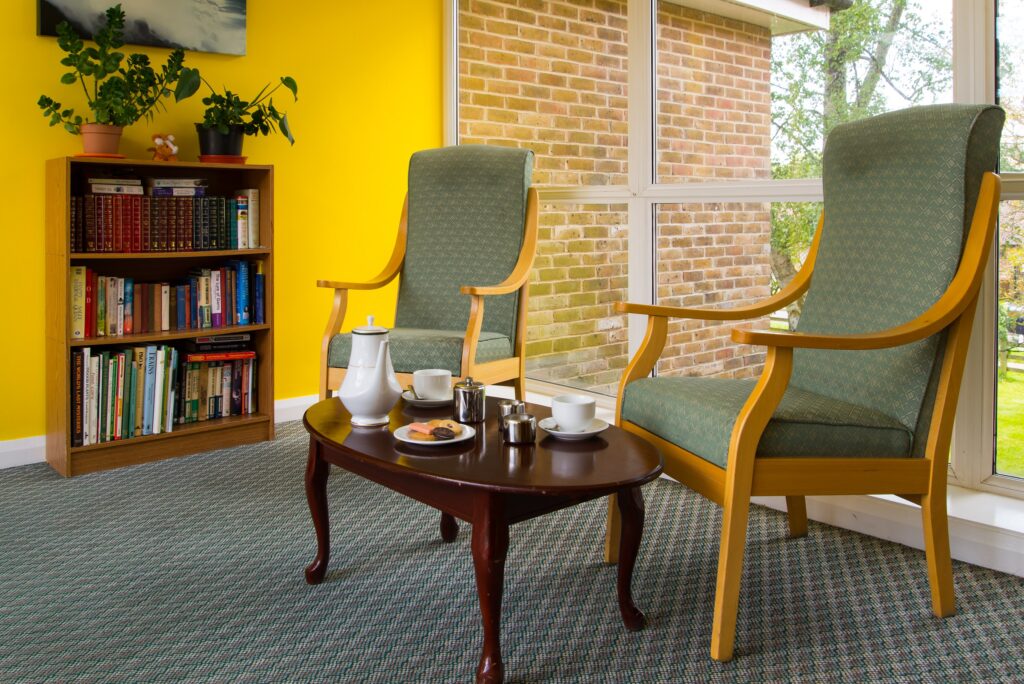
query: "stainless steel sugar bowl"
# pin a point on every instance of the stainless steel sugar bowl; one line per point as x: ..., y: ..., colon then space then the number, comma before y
x: 469, y: 401
x: 519, y: 428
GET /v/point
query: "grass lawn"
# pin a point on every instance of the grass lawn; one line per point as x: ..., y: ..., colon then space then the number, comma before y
x: 1010, y: 425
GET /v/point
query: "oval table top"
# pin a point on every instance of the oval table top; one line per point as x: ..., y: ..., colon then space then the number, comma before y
x: 610, y: 460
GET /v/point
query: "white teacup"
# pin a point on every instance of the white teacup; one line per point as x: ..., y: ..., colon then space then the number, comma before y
x: 573, y: 412
x: 433, y: 383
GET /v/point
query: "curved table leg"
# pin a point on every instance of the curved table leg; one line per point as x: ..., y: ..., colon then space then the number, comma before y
x: 490, y: 543
x: 449, y: 528
x: 317, y: 470
x: 631, y: 508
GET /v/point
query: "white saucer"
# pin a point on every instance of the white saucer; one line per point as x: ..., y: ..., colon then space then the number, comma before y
x: 424, y: 403
x: 551, y: 427
x: 402, y: 435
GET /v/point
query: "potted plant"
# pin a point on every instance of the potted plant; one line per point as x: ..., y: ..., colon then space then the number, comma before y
x: 228, y: 118
x: 118, y: 90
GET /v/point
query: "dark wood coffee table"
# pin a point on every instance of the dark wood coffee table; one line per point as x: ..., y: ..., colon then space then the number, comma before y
x: 488, y: 483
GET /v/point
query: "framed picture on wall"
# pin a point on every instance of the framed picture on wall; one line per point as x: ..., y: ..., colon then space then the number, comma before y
x: 200, y: 25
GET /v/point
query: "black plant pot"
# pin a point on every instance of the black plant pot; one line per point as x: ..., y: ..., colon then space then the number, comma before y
x: 212, y: 141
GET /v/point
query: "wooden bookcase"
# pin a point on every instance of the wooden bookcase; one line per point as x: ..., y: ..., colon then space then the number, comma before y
x: 66, y: 177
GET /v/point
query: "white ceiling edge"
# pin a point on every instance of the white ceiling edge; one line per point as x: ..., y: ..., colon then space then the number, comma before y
x: 780, y: 16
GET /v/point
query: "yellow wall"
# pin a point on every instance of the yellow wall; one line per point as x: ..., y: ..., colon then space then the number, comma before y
x: 369, y: 78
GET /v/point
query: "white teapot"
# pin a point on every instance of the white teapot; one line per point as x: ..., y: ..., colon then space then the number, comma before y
x: 370, y: 389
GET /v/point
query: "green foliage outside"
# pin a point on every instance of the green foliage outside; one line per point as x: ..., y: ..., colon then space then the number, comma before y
x: 1010, y: 422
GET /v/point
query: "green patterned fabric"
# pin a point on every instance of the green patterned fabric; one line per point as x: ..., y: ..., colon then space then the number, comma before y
x: 900, y: 190
x: 467, y: 206
x: 698, y: 414
x: 413, y: 349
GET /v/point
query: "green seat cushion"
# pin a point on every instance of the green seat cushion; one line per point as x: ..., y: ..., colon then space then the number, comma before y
x: 413, y: 349
x: 698, y: 415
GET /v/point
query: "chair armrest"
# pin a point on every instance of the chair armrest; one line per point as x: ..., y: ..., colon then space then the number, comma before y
x: 342, y: 285
x: 521, y: 272
x: 962, y: 291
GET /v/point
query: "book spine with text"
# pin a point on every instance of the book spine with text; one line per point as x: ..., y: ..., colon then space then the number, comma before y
x: 78, y: 274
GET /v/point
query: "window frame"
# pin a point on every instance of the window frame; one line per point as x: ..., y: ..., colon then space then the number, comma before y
x: 974, y: 55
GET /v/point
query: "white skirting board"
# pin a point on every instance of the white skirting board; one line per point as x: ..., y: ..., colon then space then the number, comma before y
x: 990, y: 545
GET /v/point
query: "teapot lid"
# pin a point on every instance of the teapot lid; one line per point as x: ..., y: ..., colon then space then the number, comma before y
x: 469, y: 384
x: 369, y: 328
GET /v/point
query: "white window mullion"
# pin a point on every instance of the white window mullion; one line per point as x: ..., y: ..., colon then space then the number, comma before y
x: 450, y: 82
x: 640, y: 115
x: 974, y: 81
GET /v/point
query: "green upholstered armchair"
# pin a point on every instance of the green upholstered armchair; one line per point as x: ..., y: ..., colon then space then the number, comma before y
x: 861, y: 398
x: 468, y: 235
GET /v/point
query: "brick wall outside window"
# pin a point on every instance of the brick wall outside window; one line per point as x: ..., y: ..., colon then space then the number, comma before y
x: 551, y: 75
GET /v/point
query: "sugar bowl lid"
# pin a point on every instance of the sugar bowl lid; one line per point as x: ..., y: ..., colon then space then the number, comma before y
x: 369, y: 328
x: 469, y: 384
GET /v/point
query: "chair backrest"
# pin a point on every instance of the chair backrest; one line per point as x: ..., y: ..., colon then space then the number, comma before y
x: 900, y: 191
x: 467, y: 211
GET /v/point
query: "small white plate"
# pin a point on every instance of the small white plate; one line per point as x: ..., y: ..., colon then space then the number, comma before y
x: 424, y: 403
x: 402, y: 435
x: 551, y: 427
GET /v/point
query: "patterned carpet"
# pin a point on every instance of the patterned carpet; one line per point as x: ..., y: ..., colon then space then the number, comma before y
x: 191, y: 570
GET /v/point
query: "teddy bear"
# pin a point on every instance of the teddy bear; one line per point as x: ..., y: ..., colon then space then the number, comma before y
x: 165, y: 149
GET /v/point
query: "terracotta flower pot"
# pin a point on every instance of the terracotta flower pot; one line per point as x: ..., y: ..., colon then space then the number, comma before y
x: 100, y: 138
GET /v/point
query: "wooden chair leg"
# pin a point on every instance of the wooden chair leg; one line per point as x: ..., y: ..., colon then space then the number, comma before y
x: 519, y: 385
x: 936, y: 550
x: 796, y: 511
x: 613, y: 531
x: 730, y: 572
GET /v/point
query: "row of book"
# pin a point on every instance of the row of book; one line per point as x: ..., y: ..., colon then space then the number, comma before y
x: 132, y: 392
x: 106, y: 306
x: 154, y: 187
x: 137, y: 223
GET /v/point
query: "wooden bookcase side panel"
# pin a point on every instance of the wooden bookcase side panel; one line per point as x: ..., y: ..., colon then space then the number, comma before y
x: 57, y: 217
x: 265, y: 343
x: 66, y: 177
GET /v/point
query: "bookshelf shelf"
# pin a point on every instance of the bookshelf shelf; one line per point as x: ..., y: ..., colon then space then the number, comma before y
x: 67, y: 177
x: 165, y: 335
x: 198, y: 254
x: 179, y: 430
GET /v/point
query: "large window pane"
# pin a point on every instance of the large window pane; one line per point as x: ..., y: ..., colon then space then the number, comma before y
x: 1009, y: 442
x: 550, y: 76
x: 1009, y: 25
x: 574, y: 336
x: 877, y: 56
x: 713, y: 102
x: 718, y: 255
x: 1009, y: 452
x: 712, y: 255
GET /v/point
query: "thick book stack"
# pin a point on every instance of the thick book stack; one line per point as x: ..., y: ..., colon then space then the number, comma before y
x: 167, y: 215
x: 133, y: 392
x: 103, y: 306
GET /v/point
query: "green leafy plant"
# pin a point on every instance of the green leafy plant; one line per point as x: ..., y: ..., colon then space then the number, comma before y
x: 119, y: 90
x: 256, y: 116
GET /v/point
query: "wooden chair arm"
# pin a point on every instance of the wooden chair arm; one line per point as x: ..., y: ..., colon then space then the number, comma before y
x: 374, y: 284
x: 394, y: 265
x: 521, y: 273
x: 796, y: 287
x: 961, y: 292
